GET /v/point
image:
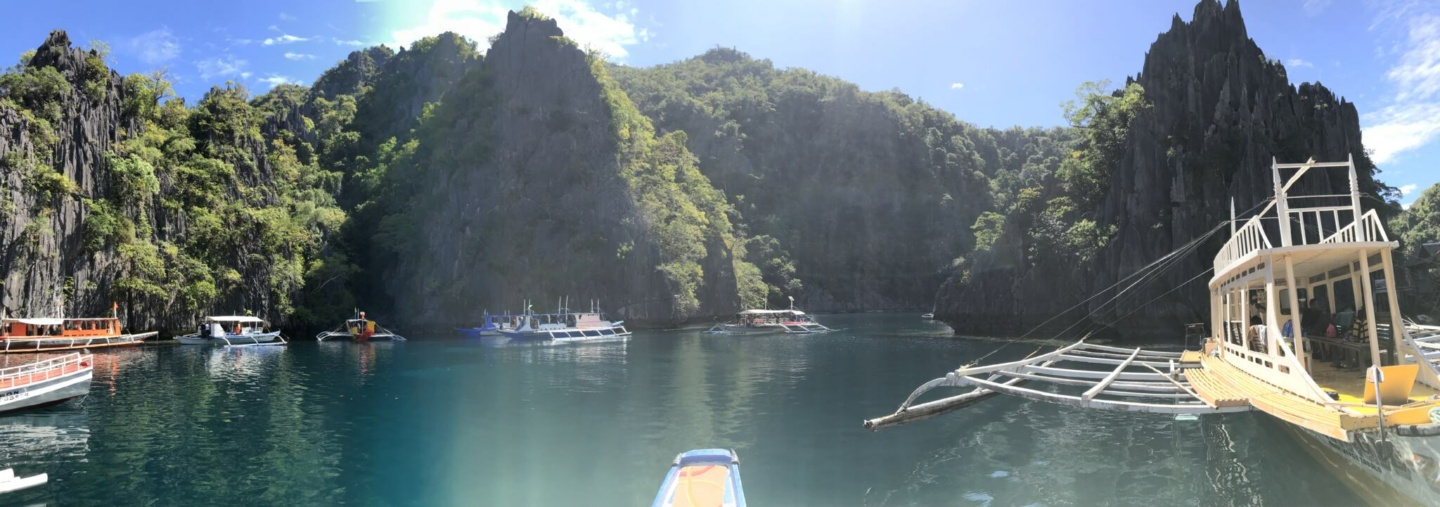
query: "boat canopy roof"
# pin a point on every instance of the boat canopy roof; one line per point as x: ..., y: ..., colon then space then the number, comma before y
x: 39, y: 321
x: 772, y: 312
x: 244, y: 318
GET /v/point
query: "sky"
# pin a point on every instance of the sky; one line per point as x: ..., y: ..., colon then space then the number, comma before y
x: 990, y: 63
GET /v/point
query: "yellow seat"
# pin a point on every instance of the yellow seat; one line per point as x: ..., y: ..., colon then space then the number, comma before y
x: 1395, y: 389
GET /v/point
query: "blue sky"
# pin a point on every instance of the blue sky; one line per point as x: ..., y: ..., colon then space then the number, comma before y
x: 990, y: 63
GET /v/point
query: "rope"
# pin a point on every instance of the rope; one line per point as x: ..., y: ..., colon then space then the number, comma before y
x: 1146, y: 274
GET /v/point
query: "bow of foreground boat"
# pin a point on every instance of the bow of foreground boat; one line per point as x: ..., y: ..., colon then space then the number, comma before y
x: 708, y: 477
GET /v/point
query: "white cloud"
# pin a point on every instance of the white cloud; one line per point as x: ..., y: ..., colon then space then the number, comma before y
x: 1407, y: 189
x: 957, y: 85
x: 609, y: 32
x: 284, y: 39
x: 351, y: 42
x: 298, y: 56
x: 1297, y: 63
x: 274, y: 80
x: 155, y: 47
x: 221, y: 67
x: 1411, y: 118
x: 288, y: 17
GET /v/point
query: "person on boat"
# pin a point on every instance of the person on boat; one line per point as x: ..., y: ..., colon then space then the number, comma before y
x: 1257, y: 334
x: 1318, y: 318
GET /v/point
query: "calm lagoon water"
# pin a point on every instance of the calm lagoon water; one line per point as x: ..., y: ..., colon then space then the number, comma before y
x: 441, y: 421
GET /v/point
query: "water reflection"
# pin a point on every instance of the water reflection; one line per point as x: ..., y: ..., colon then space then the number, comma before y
x: 42, y: 436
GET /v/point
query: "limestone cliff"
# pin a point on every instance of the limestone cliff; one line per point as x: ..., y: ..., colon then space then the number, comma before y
x: 1219, y: 110
x: 537, y: 178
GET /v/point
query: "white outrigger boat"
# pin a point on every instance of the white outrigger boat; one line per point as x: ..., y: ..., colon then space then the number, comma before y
x: 360, y: 329
x: 1378, y: 428
x: 789, y: 321
x: 565, y: 326
x: 233, y: 331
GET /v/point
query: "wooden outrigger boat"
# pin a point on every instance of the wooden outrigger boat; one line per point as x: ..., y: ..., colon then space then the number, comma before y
x: 360, y: 329
x: 233, y: 331
x: 45, y: 382
x: 708, y: 477
x: 789, y: 321
x: 55, y: 334
x: 1261, y: 354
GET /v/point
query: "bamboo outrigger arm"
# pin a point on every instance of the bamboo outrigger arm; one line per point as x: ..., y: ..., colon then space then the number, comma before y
x: 1130, y: 375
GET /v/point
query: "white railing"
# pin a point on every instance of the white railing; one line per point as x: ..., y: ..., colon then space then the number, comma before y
x: 1248, y: 239
x: 1367, y: 229
x: 39, y: 366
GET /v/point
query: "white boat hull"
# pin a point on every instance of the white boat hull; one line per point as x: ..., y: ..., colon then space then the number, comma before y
x: 1398, y: 468
x: 46, y: 392
x: 230, y: 339
x: 9, y: 482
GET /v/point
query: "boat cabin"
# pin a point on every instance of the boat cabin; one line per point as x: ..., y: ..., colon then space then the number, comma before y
x: 217, y: 327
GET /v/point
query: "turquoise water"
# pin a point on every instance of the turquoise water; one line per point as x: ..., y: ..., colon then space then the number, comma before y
x: 446, y: 422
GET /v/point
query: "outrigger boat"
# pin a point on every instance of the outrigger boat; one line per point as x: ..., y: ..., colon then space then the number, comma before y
x: 493, y: 326
x: 233, y: 331
x: 46, y: 382
x: 790, y: 321
x: 360, y: 329
x: 1261, y: 354
x: 566, y: 326
x: 708, y: 477
x: 53, y: 334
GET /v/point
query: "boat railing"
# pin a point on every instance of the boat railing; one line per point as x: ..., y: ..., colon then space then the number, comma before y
x: 1282, y: 369
x: 54, y: 362
x: 1248, y: 239
x: 1367, y: 229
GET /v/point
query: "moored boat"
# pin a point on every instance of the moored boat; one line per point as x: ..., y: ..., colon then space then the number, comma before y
x: 360, y: 329
x: 46, y: 382
x: 492, y: 325
x: 708, y: 477
x: 1288, y: 336
x: 54, y: 334
x: 791, y: 321
x: 233, y: 331
x: 566, y: 326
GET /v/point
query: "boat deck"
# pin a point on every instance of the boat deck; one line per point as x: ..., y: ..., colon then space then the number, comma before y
x: 1221, y: 384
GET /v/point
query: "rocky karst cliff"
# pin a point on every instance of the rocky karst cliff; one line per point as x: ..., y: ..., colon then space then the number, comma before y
x: 111, y: 195
x: 537, y: 178
x: 1217, y: 111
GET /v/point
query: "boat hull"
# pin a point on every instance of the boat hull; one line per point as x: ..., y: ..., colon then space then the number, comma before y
x: 570, y: 335
x: 1400, y: 470
x: 230, y: 339
x: 15, y: 345
x: 747, y: 330
x: 47, y: 392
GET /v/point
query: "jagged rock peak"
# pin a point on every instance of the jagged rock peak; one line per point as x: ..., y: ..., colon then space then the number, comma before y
x: 57, y: 52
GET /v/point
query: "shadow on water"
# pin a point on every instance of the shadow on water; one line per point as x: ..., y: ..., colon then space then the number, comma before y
x: 450, y: 422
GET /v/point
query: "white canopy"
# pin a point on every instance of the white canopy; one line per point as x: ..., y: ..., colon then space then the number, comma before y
x: 772, y: 312
x: 241, y: 318
x: 40, y: 322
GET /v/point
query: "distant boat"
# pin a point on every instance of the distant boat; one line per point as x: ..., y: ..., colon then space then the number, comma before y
x: 927, y: 315
x: 360, y: 329
x: 9, y: 482
x: 50, y: 334
x: 791, y: 321
x: 47, y: 382
x: 232, y: 331
x: 492, y: 326
x: 566, y: 326
x: 709, y: 477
